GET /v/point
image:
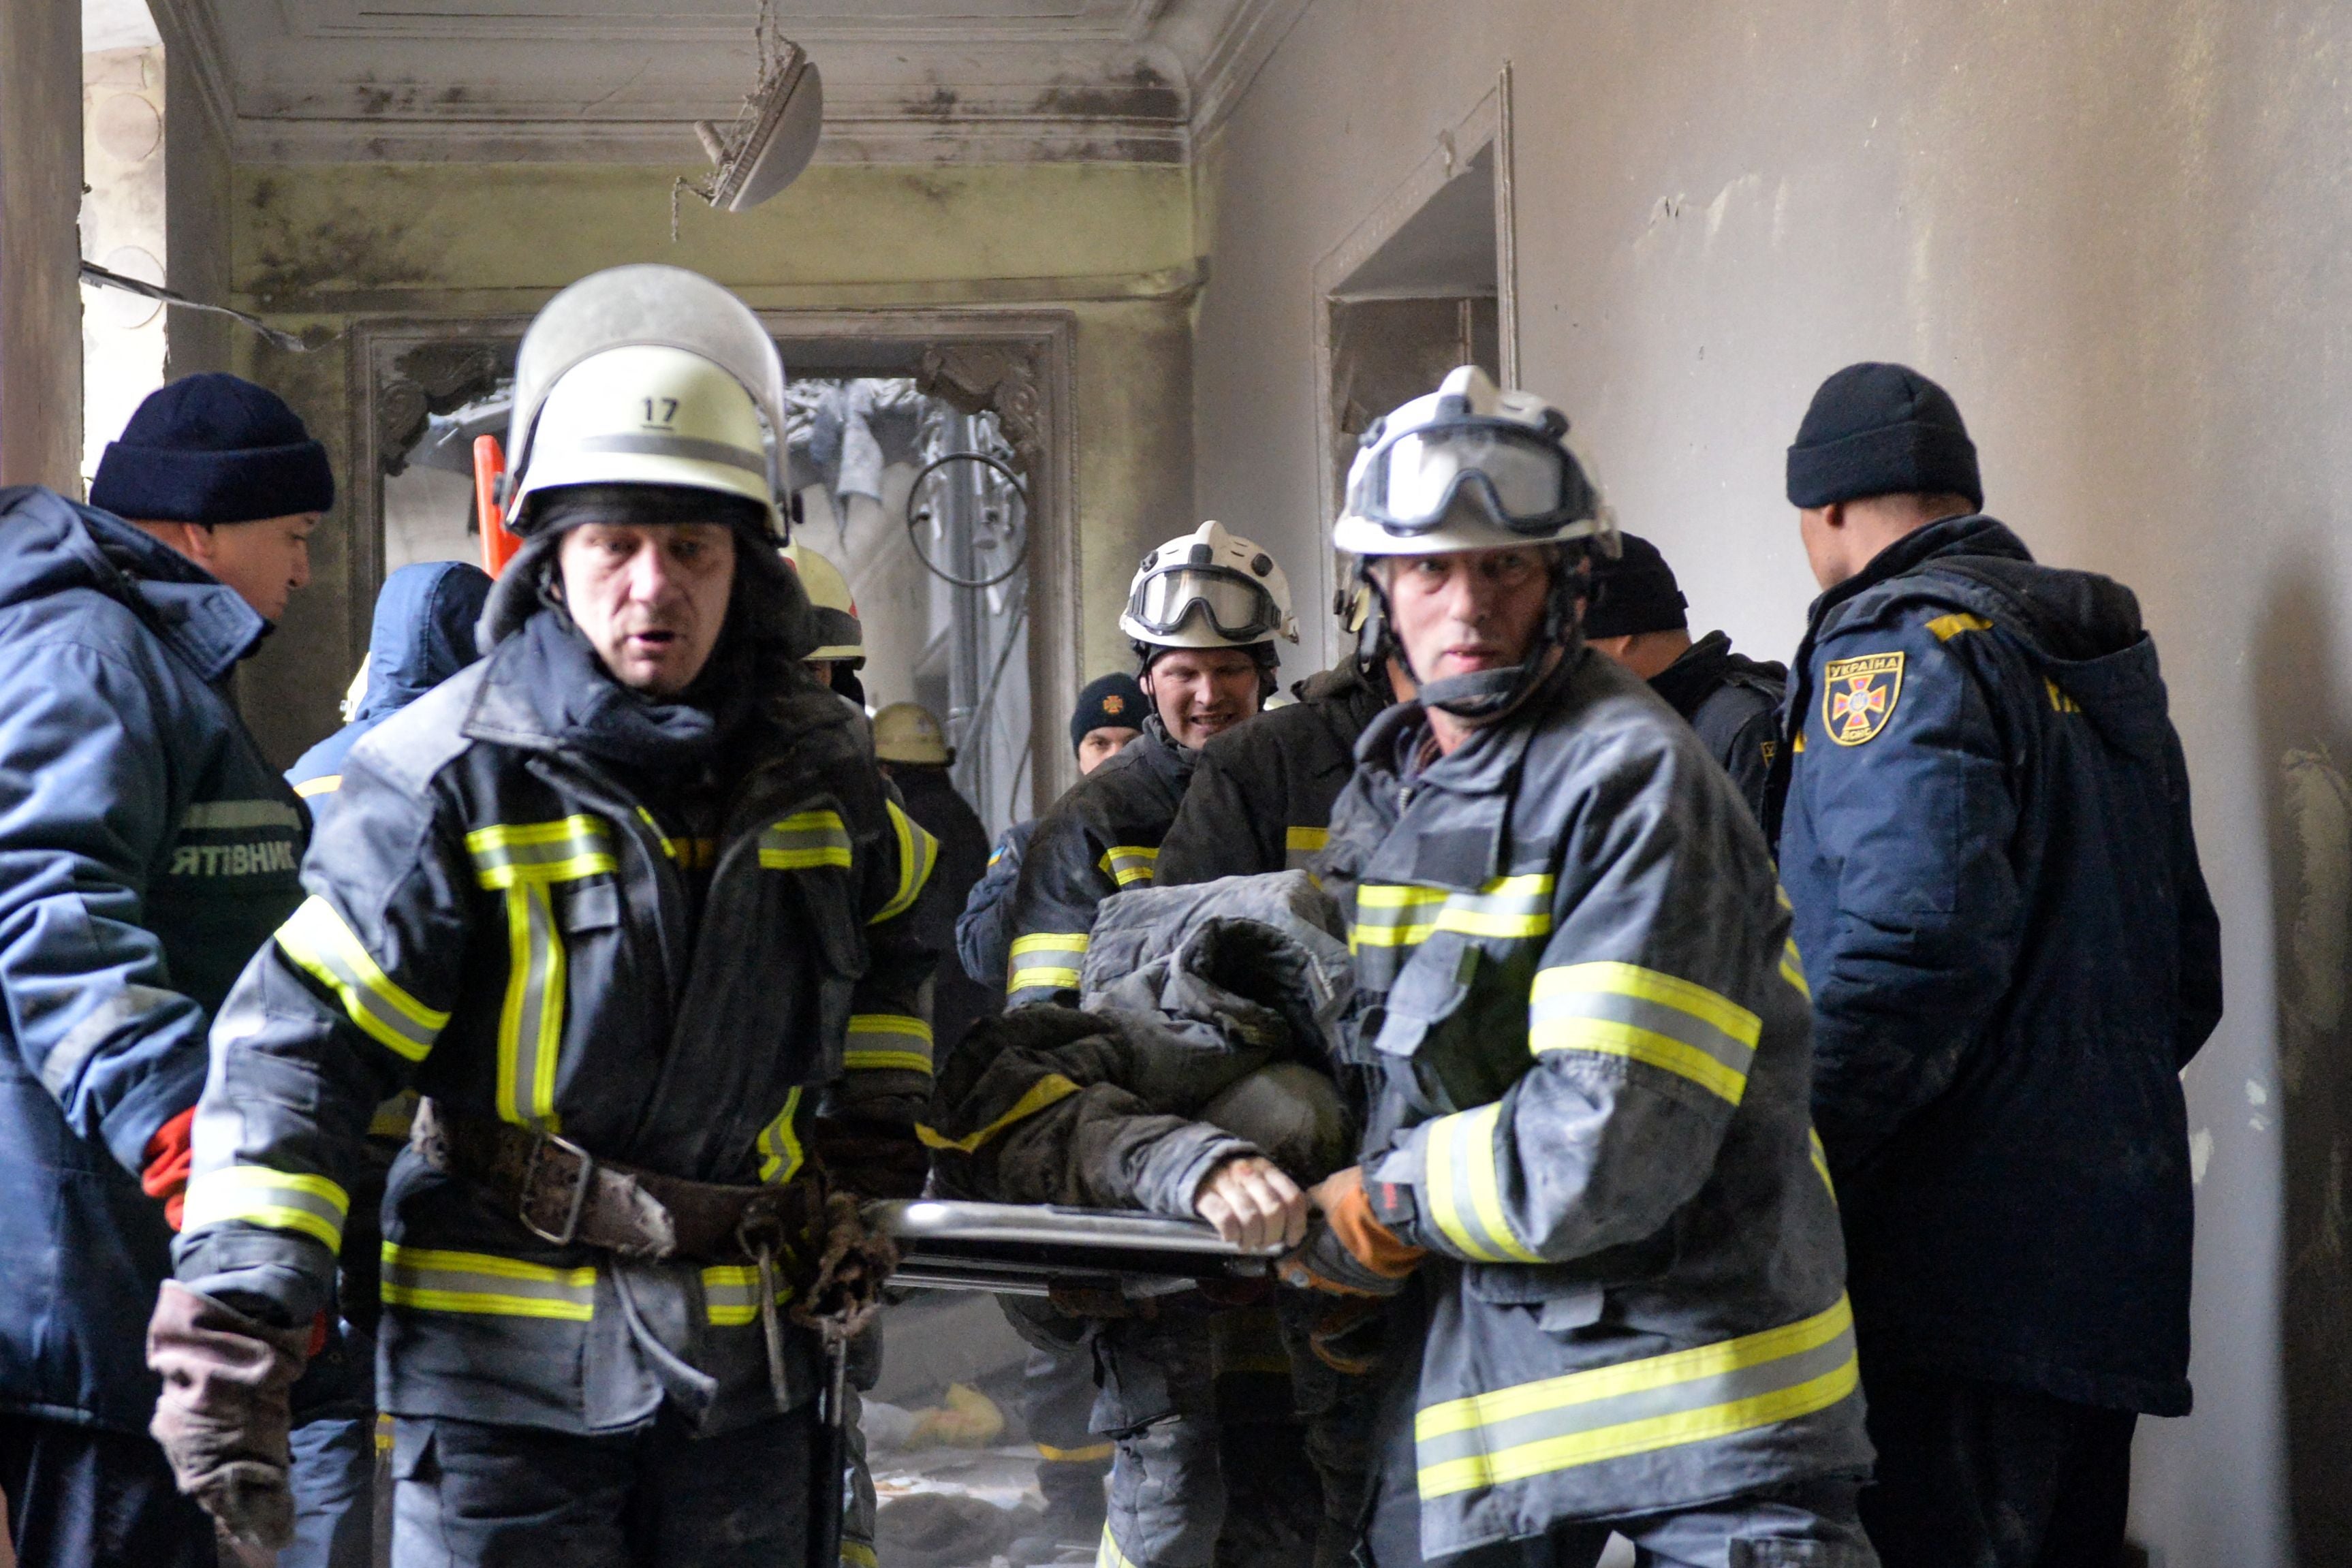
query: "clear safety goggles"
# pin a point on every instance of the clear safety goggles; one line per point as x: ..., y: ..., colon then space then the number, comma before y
x: 1240, y: 610
x: 1526, y: 480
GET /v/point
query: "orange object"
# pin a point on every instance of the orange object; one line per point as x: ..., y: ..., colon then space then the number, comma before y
x: 499, y: 545
x: 169, y: 1153
x: 1350, y: 1215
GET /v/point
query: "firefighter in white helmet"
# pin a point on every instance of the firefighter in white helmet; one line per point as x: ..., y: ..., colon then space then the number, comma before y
x: 584, y: 897
x: 1588, y: 1178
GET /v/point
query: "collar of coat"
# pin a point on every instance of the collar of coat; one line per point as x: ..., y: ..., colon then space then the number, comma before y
x: 194, y: 613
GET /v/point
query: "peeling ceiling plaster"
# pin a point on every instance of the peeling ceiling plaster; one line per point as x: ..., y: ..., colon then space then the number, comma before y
x: 609, y: 80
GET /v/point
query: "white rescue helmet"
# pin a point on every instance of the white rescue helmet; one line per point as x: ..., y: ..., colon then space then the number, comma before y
x: 841, y: 636
x: 1469, y: 467
x: 906, y: 733
x: 645, y: 374
x: 1208, y: 588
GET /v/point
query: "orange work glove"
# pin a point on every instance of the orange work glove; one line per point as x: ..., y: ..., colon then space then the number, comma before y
x: 1351, y: 1254
x: 169, y: 1153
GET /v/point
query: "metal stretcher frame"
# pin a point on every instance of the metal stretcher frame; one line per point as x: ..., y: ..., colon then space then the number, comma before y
x: 1031, y: 1249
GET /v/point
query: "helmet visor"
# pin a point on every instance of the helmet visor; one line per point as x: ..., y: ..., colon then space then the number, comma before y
x: 1238, y: 609
x: 1527, y: 480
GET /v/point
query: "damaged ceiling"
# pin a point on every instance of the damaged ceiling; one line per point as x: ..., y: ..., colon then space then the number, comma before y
x: 604, y: 80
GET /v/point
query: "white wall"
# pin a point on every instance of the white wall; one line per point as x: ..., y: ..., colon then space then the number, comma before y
x: 2118, y: 233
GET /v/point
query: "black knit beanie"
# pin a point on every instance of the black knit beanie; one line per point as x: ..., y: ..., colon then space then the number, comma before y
x: 1633, y: 593
x: 212, y: 448
x: 1108, y: 702
x: 1882, y: 429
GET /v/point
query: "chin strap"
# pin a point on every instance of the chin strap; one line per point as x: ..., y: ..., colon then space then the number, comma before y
x: 1489, y: 694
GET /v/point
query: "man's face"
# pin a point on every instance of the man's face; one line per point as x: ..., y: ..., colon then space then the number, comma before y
x: 264, y: 561
x: 1468, y: 611
x: 1202, y: 691
x: 651, y: 599
x: 1100, y: 745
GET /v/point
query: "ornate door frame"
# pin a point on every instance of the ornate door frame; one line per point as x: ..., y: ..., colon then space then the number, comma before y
x: 1017, y: 362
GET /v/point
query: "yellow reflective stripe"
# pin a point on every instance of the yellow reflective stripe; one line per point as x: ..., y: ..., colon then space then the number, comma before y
x: 1042, y: 949
x: 316, y: 940
x: 1464, y: 1191
x: 1792, y: 969
x: 804, y: 840
x: 918, y: 852
x: 325, y: 783
x: 731, y: 1294
x: 530, y: 1022
x: 483, y: 1284
x: 779, y: 1145
x: 395, y: 1116
x: 1091, y: 1453
x: 1624, y: 1010
x: 1301, y: 845
x: 1946, y: 627
x: 1638, y: 1406
x: 275, y: 1200
x: 1128, y: 864
x: 1108, y: 1555
x: 857, y: 1554
x: 1046, y: 1091
x: 889, y: 1041
x: 508, y: 854
x: 1820, y: 1158
x: 1390, y: 915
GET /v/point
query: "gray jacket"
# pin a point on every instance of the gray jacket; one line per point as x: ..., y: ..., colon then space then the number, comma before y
x: 1594, y: 1033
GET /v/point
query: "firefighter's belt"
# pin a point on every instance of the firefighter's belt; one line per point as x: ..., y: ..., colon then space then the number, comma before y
x: 566, y: 1195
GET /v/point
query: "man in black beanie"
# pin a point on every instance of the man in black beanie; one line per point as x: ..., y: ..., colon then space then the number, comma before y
x: 1637, y: 615
x: 1986, y: 838
x: 146, y: 850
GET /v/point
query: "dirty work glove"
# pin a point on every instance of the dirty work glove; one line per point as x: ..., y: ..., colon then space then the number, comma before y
x: 1350, y: 1253
x: 224, y: 1417
x: 1350, y: 1335
x: 168, y: 1155
x: 872, y: 1159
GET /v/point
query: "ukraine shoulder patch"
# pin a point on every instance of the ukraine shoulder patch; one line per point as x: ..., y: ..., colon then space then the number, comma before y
x: 1858, y: 695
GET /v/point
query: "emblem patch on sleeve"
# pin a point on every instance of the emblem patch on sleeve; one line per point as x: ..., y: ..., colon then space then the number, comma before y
x: 1858, y: 695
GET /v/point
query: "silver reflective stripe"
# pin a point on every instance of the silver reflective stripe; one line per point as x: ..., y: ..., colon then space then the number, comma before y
x: 531, y: 1024
x: 731, y: 1294
x: 63, y: 1064
x: 1645, y: 1015
x: 692, y: 447
x: 1639, y: 1406
x: 804, y: 840
x: 210, y: 815
x: 561, y: 851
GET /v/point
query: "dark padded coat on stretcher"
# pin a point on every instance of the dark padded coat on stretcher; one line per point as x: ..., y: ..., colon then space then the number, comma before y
x: 497, y: 920
x: 1187, y: 992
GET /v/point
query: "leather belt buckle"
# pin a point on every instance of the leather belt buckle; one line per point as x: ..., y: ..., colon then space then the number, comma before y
x: 579, y: 1185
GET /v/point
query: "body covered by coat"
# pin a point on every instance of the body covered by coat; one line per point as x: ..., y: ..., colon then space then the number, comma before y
x: 1734, y: 704
x: 146, y: 850
x: 2013, y: 955
x: 1187, y: 992
x: 1594, y: 1035
x: 1261, y: 796
x: 1101, y: 838
x: 506, y: 915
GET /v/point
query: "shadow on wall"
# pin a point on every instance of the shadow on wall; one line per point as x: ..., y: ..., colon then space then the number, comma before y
x: 2304, y: 731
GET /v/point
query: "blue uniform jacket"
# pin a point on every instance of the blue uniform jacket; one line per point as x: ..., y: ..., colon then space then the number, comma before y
x: 984, y: 930
x: 146, y: 850
x: 422, y: 634
x: 2011, y: 952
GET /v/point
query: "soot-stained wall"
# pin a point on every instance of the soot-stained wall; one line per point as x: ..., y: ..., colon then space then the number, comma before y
x: 2119, y: 233
x: 326, y: 247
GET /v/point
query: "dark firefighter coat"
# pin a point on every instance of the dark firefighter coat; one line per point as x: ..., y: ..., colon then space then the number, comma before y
x: 146, y: 849
x: 498, y: 920
x: 1261, y: 793
x: 1594, y: 1117
x: 957, y: 1001
x: 1734, y: 704
x: 1100, y: 838
x: 2013, y: 955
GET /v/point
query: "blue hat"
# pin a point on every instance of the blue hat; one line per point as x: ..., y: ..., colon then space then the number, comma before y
x: 1108, y: 702
x: 212, y: 448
